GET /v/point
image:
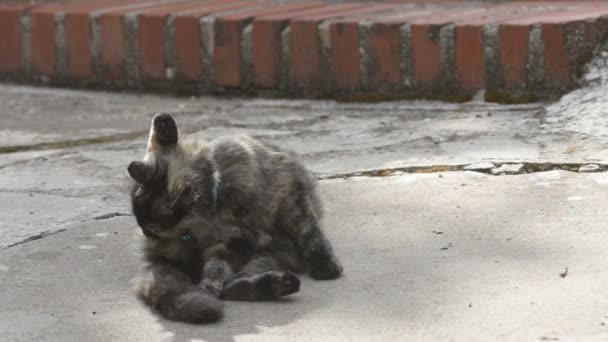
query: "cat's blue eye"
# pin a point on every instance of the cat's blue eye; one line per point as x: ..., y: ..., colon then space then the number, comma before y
x: 186, y: 236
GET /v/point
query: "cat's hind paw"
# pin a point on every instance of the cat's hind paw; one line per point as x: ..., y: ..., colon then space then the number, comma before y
x: 280, y: 284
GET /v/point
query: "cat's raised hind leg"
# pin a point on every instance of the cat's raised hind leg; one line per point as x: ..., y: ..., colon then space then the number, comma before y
x: 163, y: 132
x: 162, y: 139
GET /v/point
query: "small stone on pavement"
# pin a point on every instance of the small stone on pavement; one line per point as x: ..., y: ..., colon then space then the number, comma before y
x: 483, y: 166
x: 508, y: 169
x: 590, y: 168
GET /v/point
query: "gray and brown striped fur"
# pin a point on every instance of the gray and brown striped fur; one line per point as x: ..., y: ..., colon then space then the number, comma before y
x: 256, y: 201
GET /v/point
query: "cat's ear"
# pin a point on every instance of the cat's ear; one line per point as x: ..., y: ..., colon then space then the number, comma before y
x: 187, y: 196
x: 141, y: 172
x: 163, y: 132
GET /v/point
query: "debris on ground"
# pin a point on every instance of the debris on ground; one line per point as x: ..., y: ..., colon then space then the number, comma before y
x: 590, y: 168
x: 508, y: 169
x: 483, y: 166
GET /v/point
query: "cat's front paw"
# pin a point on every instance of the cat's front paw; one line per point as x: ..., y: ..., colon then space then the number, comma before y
x: 325, y: 269
x: 165, y: 129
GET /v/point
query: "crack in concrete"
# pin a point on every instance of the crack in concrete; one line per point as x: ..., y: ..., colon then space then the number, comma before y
x: 527, y: 167
x: 38, y: 236
x: 81, y: 193
x: 48, y: 233
x: 110, y: 215
x: 19, y: 162
x: 72, y: 143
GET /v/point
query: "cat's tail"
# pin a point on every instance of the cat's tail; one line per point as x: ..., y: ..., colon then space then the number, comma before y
x: 175, y: 299
x: 194, y: 306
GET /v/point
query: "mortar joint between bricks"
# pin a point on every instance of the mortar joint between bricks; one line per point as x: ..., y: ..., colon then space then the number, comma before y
x: 535, y: 68
x: 169, y: 48
x: 364, y: 28
x: 95, y: 46
x: 246, y: 49
x: 448, y: 79
x: 407, y: 70
x: 207, y: 44
x: 26, y: 44
x: 132, y: 59
x: 61, y: 57
x: 286, y: 77
x: 490, y: 55
x: 327, y: 72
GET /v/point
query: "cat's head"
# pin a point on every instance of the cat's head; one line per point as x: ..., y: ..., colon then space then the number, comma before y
x: 164, y: 211
x: 159, y: 211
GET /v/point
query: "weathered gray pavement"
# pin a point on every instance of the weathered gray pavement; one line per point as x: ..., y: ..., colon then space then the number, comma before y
x: 429, y: 255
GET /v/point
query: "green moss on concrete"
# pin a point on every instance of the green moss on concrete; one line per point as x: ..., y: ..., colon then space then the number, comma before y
x: 505, y: 98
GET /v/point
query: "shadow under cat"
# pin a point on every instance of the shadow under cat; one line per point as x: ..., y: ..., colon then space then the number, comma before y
x: 243, y: 318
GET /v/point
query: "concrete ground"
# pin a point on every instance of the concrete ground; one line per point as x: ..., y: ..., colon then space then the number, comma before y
x: 430, y: 254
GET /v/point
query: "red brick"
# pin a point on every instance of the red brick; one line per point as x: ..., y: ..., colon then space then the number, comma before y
x: 344, y: 37
x: 561, y: 15
x: 557, y: 61
x: 469, y: 49
x: 266, y: 34
x: 43, y: 41
x: 227, y: 52
x: 567, y: 38
x: 564, y: 46
x: 219, y: 7
x: 77, y: 24
x: 426, y: 44
x: 151, y: 46
x: 305, y: 54
x: 513, y: 57
x: 345, y: 55
x: 559, y: 4
x: 385, y: 41
x: 401, y: 17
x: 187, y: 48
x: 10, y: 38
x: 78, y: 45
x: 561, y: 54
x: 468, y: 43
x: 463, y: 14
x: 151, y: 37
x: 469, y: 54
x: 371, y: 13
x: 113, y: 45
x: 188, y: 63
x: 426, y: 51
x: 113, y: 39
x: 306, y: 47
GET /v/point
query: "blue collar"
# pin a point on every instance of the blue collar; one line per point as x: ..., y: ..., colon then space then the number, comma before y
x: 215, y: 192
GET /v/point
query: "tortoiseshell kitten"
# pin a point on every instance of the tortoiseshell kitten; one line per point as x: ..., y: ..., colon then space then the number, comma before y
x: 240, y: 182
x: 192, y: 260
